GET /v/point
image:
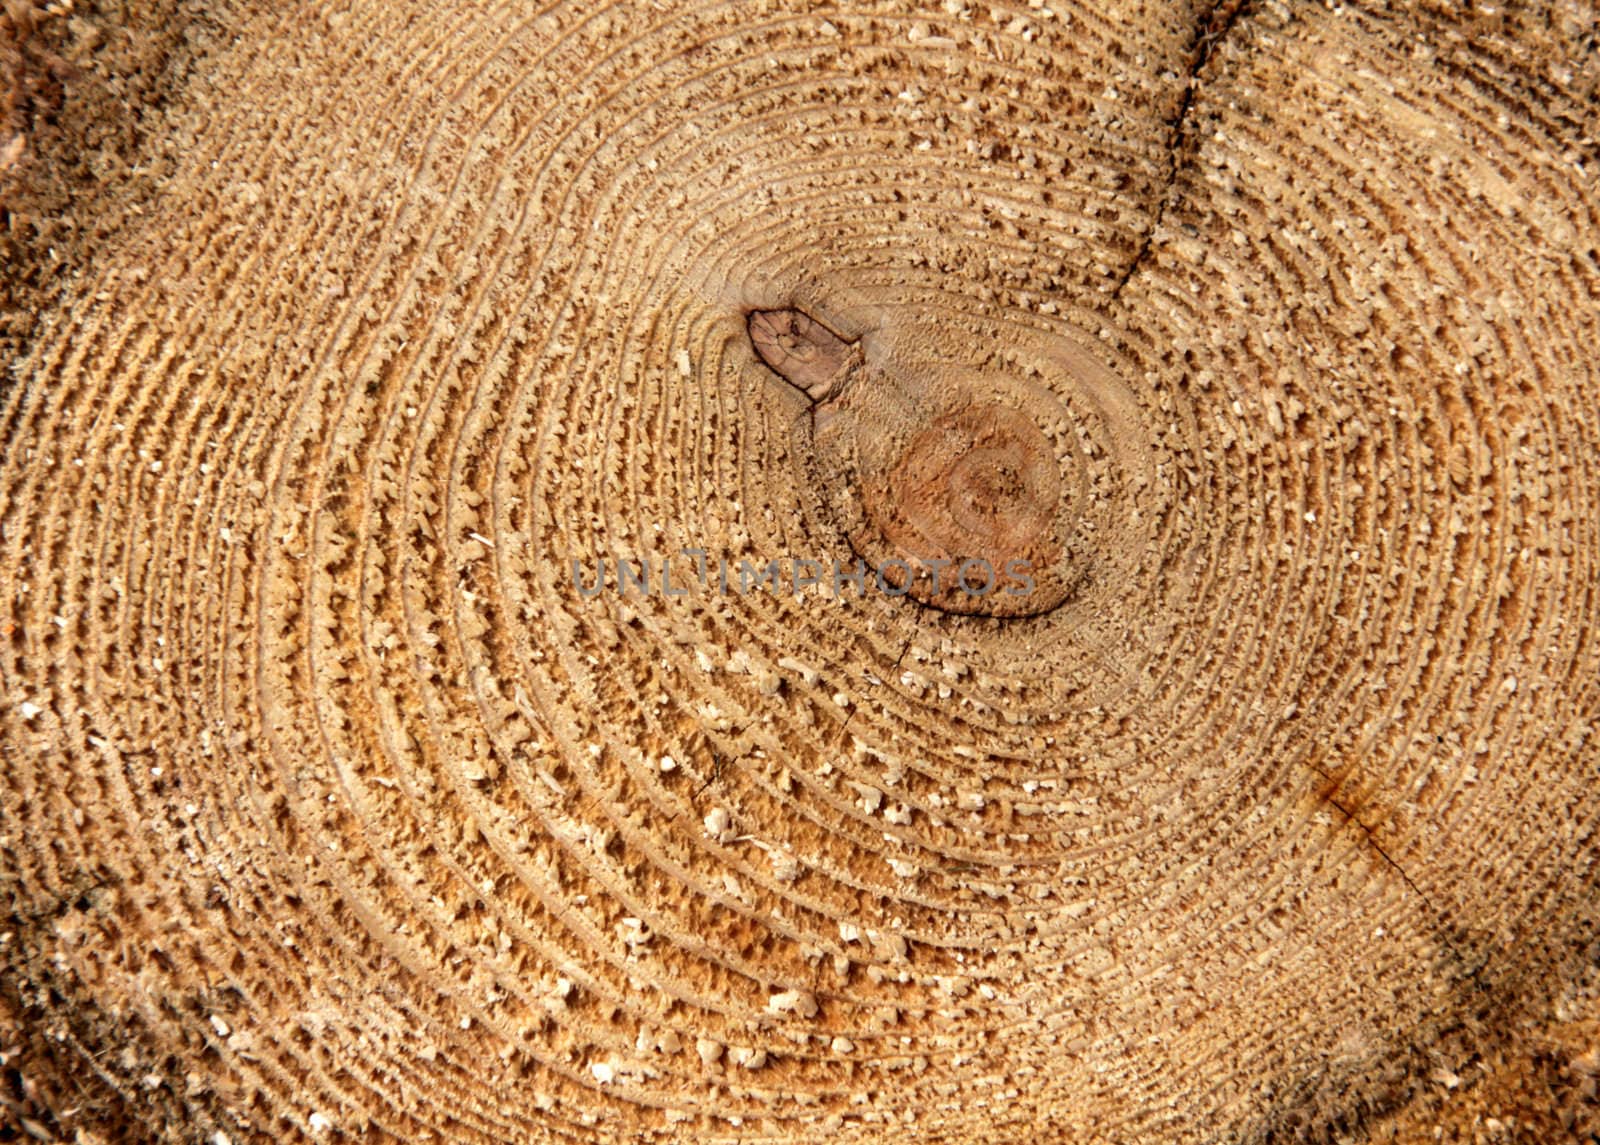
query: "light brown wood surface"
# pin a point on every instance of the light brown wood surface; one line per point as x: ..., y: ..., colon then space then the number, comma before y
x: 332, y: 809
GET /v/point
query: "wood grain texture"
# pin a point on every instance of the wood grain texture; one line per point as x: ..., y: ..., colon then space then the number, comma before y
x: 331, y: 809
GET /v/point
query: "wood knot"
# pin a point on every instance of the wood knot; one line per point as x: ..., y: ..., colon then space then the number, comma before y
x: 941, y: 476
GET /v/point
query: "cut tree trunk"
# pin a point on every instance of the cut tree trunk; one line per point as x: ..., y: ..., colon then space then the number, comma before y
x: 417, y: 725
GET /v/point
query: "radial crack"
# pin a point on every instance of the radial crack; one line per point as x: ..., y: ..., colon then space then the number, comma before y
x: 1372, y: 839
x: 1212, y: 28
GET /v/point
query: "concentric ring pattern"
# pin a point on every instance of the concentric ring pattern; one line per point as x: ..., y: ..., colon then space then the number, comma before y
x: 337, y: 801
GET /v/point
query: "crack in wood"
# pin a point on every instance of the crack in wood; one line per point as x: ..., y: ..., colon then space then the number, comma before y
x: 1216, y: 23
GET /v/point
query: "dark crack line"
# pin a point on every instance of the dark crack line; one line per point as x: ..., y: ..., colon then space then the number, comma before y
x: 893, y: 668
x: 1213, y: 27
x: 1372, y: 839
